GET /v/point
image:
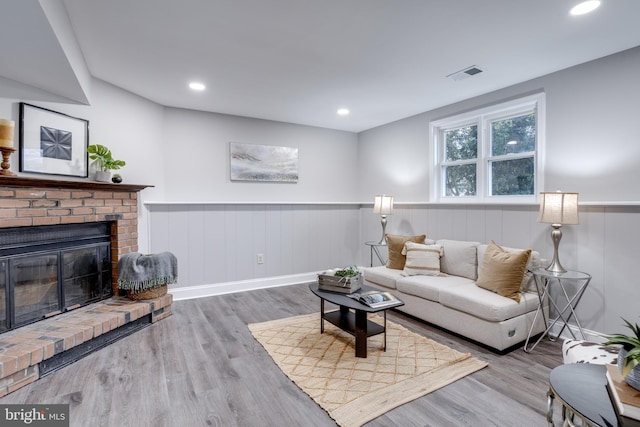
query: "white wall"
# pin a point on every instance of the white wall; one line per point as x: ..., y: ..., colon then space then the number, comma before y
x: 592, y: 142
x: 592, y: 147
x: 197, y: 159
x: 217, y: 243
x: 128, y: 124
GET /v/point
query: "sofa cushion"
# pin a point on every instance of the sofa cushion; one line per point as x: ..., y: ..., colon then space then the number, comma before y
x: 459, y: 258
x: 528, y: 282
x: 382, y: 276
x: 395, y: 244
x: 484, y: 304
x: 429, y: 287
x: 502, y: 271
x: 421, y: 259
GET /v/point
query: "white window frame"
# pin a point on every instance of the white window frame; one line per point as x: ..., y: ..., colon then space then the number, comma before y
x: 483, y: 118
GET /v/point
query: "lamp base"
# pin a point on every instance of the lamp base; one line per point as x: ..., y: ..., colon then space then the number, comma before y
x: 555, y: 266
x: 383, y: 239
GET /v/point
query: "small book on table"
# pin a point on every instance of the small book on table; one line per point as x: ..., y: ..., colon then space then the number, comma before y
x: 626, y: 399
x: 375, y: 299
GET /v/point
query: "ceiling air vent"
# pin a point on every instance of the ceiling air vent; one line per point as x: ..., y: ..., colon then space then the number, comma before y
x: 467, y: 72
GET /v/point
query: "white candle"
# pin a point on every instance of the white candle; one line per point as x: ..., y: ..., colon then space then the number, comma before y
x: 6, y: 133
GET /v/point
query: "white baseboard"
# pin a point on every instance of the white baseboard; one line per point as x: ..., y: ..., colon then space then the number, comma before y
x: 588, y: 334
x: 201, y: 291
x: 190, y: 292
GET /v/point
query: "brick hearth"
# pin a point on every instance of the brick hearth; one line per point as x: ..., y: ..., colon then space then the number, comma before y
x: 23, y: 350
x: 26, y: 202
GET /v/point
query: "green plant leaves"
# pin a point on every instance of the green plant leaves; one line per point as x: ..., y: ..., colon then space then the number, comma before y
x: 630, y: 343
x: 102, y: 156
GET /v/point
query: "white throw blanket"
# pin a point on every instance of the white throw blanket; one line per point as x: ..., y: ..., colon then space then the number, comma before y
x: 138, y: 272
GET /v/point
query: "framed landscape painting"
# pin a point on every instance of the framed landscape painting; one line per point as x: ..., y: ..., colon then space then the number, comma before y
x: 264, y: 163
x: 53, y: 143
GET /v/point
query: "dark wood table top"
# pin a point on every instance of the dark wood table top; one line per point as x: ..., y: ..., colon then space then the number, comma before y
x: 345, y: 301
x: 582, y: 386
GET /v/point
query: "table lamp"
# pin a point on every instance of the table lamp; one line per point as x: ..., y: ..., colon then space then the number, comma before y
x: 383, y: 205
x: 557, y: 209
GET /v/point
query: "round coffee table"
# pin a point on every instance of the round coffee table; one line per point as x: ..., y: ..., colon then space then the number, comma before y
x: 581, y: 389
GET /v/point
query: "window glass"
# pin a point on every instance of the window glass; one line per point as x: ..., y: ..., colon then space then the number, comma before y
x: 512, y: 177
x: 460, y: 180
x: 513, y: 135
x: 461, y: 143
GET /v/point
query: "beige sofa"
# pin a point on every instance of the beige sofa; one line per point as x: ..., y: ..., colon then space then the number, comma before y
x: 453, y: 300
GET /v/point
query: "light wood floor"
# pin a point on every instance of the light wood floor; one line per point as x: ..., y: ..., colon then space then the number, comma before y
x: 202, y: 367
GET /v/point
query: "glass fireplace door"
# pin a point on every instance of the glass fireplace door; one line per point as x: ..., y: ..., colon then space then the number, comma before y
x: 35, y: 287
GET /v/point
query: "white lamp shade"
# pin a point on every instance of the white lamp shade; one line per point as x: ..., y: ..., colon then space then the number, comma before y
x: 383, y: 205
x: 558, y: 208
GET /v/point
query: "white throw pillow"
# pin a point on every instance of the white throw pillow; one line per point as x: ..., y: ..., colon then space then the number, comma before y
x: 459, y: 258
x: 421, y: 259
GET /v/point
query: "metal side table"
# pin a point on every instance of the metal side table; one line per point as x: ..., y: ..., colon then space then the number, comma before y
x: 374, y: 247
x: 545, y: 280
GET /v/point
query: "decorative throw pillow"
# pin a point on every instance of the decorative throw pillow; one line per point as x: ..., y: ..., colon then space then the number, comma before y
x: 502, y: 271
x: 395, y: 244
x: 421, y: 259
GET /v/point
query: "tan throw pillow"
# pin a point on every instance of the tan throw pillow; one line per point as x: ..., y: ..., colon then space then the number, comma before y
x: 395, y: 245
x: 421, y: 259
x: 502, y: 271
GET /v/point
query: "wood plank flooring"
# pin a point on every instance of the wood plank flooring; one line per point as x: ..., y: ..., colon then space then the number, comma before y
x: 202, y: 367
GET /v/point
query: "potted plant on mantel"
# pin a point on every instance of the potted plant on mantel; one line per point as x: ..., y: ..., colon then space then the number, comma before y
x: 629, y: 355
x: 104, y: 161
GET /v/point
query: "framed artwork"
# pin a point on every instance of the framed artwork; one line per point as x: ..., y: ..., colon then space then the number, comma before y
x: 53, y: 143
x: 265, y: 163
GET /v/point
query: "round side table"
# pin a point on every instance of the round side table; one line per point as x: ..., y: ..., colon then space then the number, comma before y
x: 581, y: 389
x: 545, y: 281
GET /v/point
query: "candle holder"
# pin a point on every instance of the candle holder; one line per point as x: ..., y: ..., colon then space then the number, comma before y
x: 6, y: 165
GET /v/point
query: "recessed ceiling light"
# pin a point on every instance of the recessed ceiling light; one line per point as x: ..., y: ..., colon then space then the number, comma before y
x: 197, y: 86
x: 343, y: 111
x: 585, y: 7
x: 512, y: 142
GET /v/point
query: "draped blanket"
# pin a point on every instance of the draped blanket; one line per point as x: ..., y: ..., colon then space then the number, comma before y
x: 138, y: 272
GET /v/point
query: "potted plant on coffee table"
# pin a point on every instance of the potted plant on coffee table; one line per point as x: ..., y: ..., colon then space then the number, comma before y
x: 104, y: 162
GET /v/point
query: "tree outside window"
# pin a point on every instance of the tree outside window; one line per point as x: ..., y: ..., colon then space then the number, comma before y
x: 461, y: 154
x: 513, y: 145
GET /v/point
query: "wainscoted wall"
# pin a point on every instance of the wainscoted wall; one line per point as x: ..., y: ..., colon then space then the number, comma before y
x: 217, y: 244
x: 604, y: 244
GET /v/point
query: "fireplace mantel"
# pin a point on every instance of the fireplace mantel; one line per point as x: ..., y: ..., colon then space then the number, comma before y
x: 22, y: 181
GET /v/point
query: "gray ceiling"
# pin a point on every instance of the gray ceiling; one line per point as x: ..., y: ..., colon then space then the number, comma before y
x: 298, y: 61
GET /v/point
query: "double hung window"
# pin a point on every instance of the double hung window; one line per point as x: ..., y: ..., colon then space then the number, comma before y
x: 493, y: 154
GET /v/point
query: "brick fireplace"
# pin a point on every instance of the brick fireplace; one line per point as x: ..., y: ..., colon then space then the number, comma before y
x: 26, y: 202
x: 28, y: 352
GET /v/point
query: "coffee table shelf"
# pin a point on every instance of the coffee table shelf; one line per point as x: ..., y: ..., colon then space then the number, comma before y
x: 347, y: 322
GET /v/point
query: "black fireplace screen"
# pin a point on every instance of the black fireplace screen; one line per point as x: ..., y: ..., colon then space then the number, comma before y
x: 51, y: 269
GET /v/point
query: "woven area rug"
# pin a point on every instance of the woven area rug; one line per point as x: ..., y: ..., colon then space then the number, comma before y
x: 355, y: 390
